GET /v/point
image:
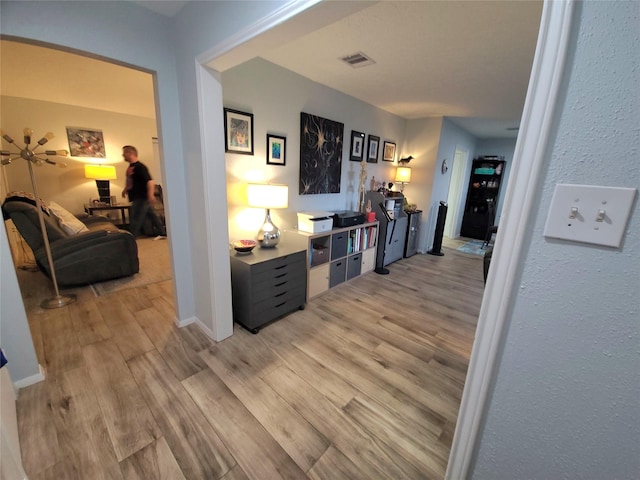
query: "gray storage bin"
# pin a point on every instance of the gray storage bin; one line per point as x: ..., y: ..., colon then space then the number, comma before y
x: 339, y: 242
x: 354, y: 266
x: 337, y: 272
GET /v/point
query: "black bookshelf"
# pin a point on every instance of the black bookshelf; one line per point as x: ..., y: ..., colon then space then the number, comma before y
x: 482, y: 197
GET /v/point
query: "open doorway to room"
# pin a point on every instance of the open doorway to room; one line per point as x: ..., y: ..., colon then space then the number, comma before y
x: 93, y: 108
x: 456, y: 193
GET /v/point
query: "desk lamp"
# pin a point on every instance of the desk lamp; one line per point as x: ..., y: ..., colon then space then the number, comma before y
x: 268, y: 197
x: 101, y: 174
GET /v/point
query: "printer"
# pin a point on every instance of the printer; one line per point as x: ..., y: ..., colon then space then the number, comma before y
x: 347, y: 218
x: 315, y: 222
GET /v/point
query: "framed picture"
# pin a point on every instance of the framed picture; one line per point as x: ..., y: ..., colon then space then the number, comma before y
x: 321, y: 143
x: 389, y: 152
x: 372, y: 149
x: 357, y: 146
x: 276, y: 150
x: 238, y: 132
x: 85, y: 143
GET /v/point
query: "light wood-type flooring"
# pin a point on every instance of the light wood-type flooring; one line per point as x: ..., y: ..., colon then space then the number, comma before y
x: 365, y: 383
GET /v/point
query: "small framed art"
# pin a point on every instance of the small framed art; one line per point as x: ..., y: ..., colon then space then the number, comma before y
x: 357, y: 146
x: 238, y: 132
x: 389, y: 152
x: 276, y: 150
x: 373, y: 146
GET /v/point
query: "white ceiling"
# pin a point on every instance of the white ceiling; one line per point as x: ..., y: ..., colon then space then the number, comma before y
x: 468, y: 59
x: 168, y: 8
x: 71, y: 79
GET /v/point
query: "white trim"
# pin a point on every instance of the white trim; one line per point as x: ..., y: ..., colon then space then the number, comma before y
x: 184, y: 322
x: 275, y: 18
x: 208, y: 332
x: 28, y: 381
x: 529, y: 156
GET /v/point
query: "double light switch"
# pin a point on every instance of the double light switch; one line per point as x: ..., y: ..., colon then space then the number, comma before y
x: 589, y: 214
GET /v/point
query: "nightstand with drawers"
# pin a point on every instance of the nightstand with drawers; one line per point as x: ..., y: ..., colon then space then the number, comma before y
x: 268, y: 283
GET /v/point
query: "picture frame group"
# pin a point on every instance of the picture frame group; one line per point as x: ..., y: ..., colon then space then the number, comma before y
x: 370, y: 151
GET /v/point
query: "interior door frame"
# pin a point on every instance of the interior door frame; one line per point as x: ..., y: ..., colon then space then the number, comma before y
x: 529, y: 157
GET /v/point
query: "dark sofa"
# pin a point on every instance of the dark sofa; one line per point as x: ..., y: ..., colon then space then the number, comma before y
x: 103, y: 253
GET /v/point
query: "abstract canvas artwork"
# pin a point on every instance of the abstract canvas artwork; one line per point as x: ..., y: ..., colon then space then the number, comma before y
x: 321, y: 143
x: 86, y: 143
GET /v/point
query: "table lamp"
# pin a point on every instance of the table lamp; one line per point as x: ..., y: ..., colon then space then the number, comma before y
x: 403, y: 176
x: 268, y: 197
x: 101, y: 174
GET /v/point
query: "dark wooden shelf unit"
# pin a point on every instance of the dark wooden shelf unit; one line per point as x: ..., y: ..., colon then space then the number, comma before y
x: 482, y: 197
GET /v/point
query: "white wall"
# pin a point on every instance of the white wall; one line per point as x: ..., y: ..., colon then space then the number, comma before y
x: 15, y: 337
x: 68, y: 186
x: 565, y: 400
x: 503, y: 147
x: 421, y: 141
x: 276, y: 97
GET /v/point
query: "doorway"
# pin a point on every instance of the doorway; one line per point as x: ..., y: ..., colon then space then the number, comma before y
x: 456, y: 191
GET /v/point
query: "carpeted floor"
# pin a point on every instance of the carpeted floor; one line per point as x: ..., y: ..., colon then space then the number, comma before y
x: 155, y: 267
x: 474, y: 247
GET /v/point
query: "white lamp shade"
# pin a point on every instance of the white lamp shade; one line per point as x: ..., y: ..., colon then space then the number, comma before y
x: 100, y: 172
x: 403, y: 174
x: 268, y: 196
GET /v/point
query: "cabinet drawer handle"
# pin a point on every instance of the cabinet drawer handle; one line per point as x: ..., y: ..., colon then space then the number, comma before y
x: 281, y: 275
x: 281, y: 267
x: 279, y: 295
x: 280, y: 284
x: 338, y: 264
x: 280, y: 304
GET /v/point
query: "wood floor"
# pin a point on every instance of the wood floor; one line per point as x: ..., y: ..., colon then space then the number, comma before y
x: 363, y: 384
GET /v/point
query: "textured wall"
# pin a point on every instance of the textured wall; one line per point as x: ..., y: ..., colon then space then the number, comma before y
x: 565, y: 402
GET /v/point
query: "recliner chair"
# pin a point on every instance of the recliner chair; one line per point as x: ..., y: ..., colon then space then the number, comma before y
x: 103, y: 253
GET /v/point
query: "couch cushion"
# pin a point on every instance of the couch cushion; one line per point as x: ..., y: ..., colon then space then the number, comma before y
x: 67, y: 221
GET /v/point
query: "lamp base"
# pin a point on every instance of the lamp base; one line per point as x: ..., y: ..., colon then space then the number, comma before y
x: 382, y: 271
x: 269, y: 234
x: 58, y: 301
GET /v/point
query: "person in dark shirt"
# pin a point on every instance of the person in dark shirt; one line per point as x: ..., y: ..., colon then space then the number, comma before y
x: 140, y: 189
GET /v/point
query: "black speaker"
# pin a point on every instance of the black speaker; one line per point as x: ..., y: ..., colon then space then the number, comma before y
x: 437, y: 239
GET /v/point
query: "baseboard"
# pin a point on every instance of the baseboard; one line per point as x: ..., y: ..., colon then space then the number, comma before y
x: 208, y: 332
x: 185, y: 321
x: 25, y: 382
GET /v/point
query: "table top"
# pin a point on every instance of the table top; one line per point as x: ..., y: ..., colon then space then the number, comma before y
x: 259, y: 254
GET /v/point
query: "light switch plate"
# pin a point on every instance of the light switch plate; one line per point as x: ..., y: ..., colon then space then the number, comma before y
x: 589, y: 214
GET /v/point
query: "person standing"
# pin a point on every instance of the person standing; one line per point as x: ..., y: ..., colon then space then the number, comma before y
x: 140, y: 189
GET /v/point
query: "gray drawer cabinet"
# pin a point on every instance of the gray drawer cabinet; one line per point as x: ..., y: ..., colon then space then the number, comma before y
x: 267, y: 284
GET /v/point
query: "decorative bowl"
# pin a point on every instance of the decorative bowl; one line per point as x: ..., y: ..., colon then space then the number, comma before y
x: 244, y: 246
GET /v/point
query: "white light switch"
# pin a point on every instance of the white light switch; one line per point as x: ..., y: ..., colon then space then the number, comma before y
x: 589, y: 214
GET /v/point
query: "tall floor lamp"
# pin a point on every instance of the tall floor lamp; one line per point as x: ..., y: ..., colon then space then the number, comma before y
x: 31, y: 157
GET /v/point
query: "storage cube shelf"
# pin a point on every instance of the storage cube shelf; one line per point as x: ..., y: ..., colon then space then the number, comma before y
x: 339, y: 255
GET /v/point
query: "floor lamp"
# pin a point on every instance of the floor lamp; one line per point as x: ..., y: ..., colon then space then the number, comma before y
x: 31, y: 157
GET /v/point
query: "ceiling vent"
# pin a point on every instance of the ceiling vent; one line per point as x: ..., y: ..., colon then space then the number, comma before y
x: 358, y: 60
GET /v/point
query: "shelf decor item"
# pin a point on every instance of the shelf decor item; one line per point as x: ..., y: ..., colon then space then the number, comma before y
x: 372, y: 149
x: 389, y: 152
x: 357, y: 146
x: 30, y: 155
x: 268, y: 197
x: 276, y: 150
x: 101, y: 174
x: 86, y: 143
x: 238, y: 132
x: 321, y: 143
